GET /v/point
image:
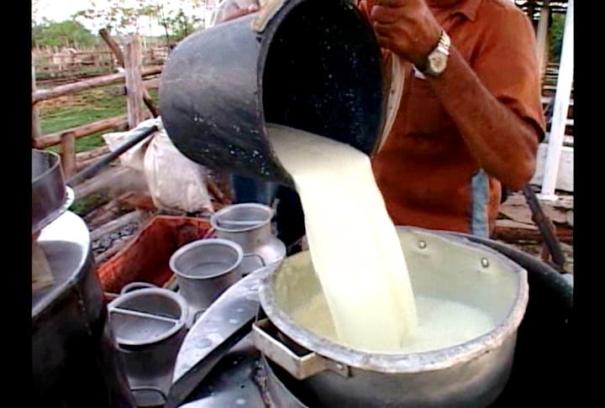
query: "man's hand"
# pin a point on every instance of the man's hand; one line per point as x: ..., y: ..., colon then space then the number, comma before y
x: 406, y: 27
x: 232, y: 9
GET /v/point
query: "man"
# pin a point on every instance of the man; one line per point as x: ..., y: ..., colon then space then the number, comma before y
x: 469, y: 119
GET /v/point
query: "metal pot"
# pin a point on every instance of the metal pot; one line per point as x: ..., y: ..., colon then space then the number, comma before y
x: 205, y: 269
x: 149, y: 325
x: 74, y: 359
x: 249, y: 225
x: 469, y: 374
x: 314, y: 65
x: 50, y: 197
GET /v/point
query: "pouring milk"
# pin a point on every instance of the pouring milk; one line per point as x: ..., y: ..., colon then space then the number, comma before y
x: 358, y: 258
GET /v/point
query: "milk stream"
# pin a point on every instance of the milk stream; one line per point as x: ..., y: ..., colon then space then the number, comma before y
x: 353, y: 243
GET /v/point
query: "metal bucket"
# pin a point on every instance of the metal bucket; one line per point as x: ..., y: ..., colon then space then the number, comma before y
x: 249, y: 225
x: 473, y: 373
x: 149, y: 325
x: 205, y: 269
x: 309, y: 64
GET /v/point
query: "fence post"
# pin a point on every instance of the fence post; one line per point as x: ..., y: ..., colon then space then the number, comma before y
x: 35, y: 113
x: 68, y: 153
x: 134, y: 82
x: 542, y: 37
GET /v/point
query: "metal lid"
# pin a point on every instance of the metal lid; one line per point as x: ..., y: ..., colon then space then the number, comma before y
x: 50, y: 196
x: 146, y: 316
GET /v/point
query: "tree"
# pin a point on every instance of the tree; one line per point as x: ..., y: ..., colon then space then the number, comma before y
x: 124, y: 16
x: 179, y: 24
x: 556, y: 36
x: 65, y: 33
x: 120, y: 16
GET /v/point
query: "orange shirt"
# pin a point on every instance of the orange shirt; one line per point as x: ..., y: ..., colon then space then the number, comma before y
x: 425, y: 171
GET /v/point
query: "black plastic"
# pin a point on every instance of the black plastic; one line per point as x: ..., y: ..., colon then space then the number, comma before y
x: 316, y: 66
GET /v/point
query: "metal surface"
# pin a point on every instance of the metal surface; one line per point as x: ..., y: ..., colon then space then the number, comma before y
x: 243, y: 378
x: 469, y: 374
x: 315, y: 66
x: 300, y: 367
x: 215, y: 332
x: 149, y: 325
x: 250, y: 226
x: 544, y: 338
x: 540, y: 351
x: 50, y: 197
x: 74, y: 359
x: 205, y: 269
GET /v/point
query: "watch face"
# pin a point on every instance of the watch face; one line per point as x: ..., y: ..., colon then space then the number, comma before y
x: 438, y: 62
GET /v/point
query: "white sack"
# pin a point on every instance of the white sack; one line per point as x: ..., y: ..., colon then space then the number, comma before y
x: 175, y: 182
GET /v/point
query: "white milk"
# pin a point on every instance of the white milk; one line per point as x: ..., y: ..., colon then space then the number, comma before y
x: 353, y: 243
x: 442, y: 323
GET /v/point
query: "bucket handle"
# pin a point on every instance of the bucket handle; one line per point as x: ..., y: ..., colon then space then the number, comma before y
x: 136, y: 286
x: 253, y: 255
x: 300, y: 367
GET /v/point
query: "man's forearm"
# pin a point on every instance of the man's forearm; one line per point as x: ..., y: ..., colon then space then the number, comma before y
x: 503, y: 144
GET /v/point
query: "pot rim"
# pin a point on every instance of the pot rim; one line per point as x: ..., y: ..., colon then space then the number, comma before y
x: 217, y: 215
x: 50, y: 178
x: 404, y: 363
x: 203, y: 242
x: 178, y: 324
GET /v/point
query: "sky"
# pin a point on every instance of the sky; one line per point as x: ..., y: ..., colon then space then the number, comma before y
x: 60, y: 10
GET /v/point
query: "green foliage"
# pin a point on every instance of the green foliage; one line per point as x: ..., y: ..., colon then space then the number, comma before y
x: 85, y: 205
x: 556, y: 36
x: 179, y: 24
x: 125, y: 16
x: 65, y: 33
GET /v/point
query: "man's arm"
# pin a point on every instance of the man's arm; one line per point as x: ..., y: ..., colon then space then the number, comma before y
x: 502, y: 140
x: 504, y: 145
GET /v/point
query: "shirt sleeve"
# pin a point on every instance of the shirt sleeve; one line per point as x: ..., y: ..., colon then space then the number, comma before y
x: 506, y: 61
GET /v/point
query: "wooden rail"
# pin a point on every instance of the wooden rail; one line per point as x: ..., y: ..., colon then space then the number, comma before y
x: 52, y: 139
x: 61, y: 90
x: 133, y: 77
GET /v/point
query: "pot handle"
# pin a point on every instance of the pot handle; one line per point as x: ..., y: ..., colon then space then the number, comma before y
x: 300, y: 367
x: 136, y: 286
x: 253, y: 255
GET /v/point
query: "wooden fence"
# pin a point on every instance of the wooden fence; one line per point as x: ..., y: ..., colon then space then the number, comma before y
x: 133, y: 77
x: 73, y: 63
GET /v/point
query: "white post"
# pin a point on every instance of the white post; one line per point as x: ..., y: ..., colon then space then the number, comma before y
x: 542, y: 36
x: 559, y: 119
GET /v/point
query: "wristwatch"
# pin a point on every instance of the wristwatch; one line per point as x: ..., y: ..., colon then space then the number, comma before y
x: 436, y: 62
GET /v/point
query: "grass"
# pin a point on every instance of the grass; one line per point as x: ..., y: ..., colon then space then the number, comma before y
x: 86, y: 204
x: 84, y: 71
x: 76, y: 110
x: 85, y: 107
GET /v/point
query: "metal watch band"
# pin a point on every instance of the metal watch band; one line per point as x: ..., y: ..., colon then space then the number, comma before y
x: 443, y: 48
